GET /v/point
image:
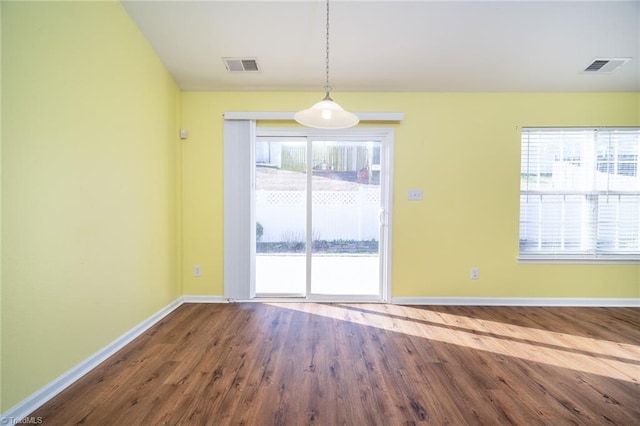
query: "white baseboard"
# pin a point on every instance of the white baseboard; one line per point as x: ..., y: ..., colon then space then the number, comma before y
x: 516, y: 301
x: 204, y: 299
x: 51, y: 389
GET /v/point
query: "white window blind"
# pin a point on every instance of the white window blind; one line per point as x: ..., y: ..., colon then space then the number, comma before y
x: 580, y: 194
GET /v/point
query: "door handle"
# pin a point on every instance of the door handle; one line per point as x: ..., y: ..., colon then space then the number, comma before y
x: 381, y: 217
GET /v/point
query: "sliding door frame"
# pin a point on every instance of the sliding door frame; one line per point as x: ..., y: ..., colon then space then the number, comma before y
x: 386, y: 137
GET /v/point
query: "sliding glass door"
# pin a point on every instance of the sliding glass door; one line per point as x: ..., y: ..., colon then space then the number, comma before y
x: 321, y: 205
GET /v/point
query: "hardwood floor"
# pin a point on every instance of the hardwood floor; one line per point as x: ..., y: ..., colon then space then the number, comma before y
x: 367, y: 364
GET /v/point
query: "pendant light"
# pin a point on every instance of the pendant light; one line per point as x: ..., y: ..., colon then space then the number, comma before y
x: 326, y: 114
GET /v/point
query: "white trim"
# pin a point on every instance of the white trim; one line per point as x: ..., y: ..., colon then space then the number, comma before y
x: 517, y: 301
x: 288, y: 116
x: 204, y: 299
x: 309, y: 219
x: 314, y: 299
x: 354, y: 132
x: 53, y: 388
x: 586, y: 260
x: 388, y: 229
x: 387, y: 138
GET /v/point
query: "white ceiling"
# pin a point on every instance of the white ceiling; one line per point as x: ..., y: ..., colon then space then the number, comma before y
x: 419, y: 46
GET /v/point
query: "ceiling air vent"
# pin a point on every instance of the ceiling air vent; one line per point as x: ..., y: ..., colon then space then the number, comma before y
x: 241, y: 64
x: 606, y: 65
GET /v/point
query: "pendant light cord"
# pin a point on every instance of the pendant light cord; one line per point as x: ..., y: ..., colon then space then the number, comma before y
x: 326, y: 114
x: 327, y: 88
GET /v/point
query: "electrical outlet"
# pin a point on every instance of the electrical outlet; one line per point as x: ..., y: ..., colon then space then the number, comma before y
x: 197, y: 271
x: 475, y: 273
x: 414, y: 194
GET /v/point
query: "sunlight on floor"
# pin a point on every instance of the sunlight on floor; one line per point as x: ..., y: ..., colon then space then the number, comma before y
x: 611, y: 359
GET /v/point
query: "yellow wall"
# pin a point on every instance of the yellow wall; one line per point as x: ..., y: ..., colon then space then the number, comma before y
x: 469, y: 219
x: 89, y: 145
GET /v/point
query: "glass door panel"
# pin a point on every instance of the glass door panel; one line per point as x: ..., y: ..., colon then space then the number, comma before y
x: 345, y: 208
x: 281, y: 217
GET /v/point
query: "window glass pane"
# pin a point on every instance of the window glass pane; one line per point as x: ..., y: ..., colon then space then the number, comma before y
x: 281, y: 212
x: 557, y: 160
x: 617, y: 161
x: 618, y: 224
x: 553, y: 223
x: 346, y: 200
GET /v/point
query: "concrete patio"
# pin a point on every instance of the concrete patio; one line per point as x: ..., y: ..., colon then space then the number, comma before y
x: 279, y: 274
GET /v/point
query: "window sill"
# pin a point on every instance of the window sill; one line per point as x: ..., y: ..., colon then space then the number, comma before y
x: 603, y: 260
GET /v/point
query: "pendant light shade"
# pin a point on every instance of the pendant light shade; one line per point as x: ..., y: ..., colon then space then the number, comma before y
x: 326, y: 114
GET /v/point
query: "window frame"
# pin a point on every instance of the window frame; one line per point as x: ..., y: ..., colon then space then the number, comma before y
x: 591, y: 254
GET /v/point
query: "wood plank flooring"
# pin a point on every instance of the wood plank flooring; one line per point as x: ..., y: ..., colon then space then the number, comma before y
x: 367, y: 364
